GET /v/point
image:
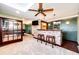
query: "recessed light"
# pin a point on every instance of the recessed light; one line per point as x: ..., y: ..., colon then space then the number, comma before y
x: 18, y: 12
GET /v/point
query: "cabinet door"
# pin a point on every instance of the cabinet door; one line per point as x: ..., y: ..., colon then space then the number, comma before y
x: 19, y: 30
x: 10, y: 30
x: 5, y: 24
x: 0, y: 31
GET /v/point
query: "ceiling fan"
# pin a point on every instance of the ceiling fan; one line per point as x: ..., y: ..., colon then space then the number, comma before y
x: 41, y: 10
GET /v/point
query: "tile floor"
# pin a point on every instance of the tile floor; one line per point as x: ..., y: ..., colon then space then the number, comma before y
x: 30, y: 46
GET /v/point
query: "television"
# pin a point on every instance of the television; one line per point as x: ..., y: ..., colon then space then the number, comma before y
x: 35, y: 22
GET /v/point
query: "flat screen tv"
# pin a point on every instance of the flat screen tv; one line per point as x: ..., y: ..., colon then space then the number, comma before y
x: 35, y: 22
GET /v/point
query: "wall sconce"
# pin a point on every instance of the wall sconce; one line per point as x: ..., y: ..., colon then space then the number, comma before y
x: 67, y: 22
x: 48, y: 24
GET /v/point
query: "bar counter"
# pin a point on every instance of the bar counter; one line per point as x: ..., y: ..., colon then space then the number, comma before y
x: 56, y: 33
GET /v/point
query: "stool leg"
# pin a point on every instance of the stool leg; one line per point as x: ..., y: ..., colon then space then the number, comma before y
x: 41, y: 41
x: 52, y: 45
x: 46, y: 43
x: 37, y: 40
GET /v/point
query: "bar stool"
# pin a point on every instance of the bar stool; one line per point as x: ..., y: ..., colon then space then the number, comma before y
x: 41, y: 37
x: 50, y: 39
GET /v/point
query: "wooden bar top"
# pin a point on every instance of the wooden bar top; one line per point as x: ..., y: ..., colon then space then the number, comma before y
x: 49, y: 30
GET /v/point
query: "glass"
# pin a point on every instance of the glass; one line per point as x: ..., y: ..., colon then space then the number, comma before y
x: 5, y: 29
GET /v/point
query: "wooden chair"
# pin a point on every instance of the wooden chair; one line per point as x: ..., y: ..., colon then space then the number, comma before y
x: 50, y: 39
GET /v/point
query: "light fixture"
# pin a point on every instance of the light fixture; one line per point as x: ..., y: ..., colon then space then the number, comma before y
x: 67, y: 22
x: 18, y: 12
x: 48, y: 24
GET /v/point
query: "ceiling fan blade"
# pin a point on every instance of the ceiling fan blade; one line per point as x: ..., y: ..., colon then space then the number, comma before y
x: 40, y: 5
x: 43, y: 14
x: 33, y: 10
x: 36, y: 14
x: 48, y: 10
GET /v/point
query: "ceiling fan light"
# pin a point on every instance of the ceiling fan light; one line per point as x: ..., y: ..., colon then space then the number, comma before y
x: 40, y: 10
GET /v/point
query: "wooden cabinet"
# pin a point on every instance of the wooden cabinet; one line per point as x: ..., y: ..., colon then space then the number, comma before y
x: 10, y: 30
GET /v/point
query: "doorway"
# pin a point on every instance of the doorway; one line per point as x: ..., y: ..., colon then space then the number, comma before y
x: 44, y: 25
